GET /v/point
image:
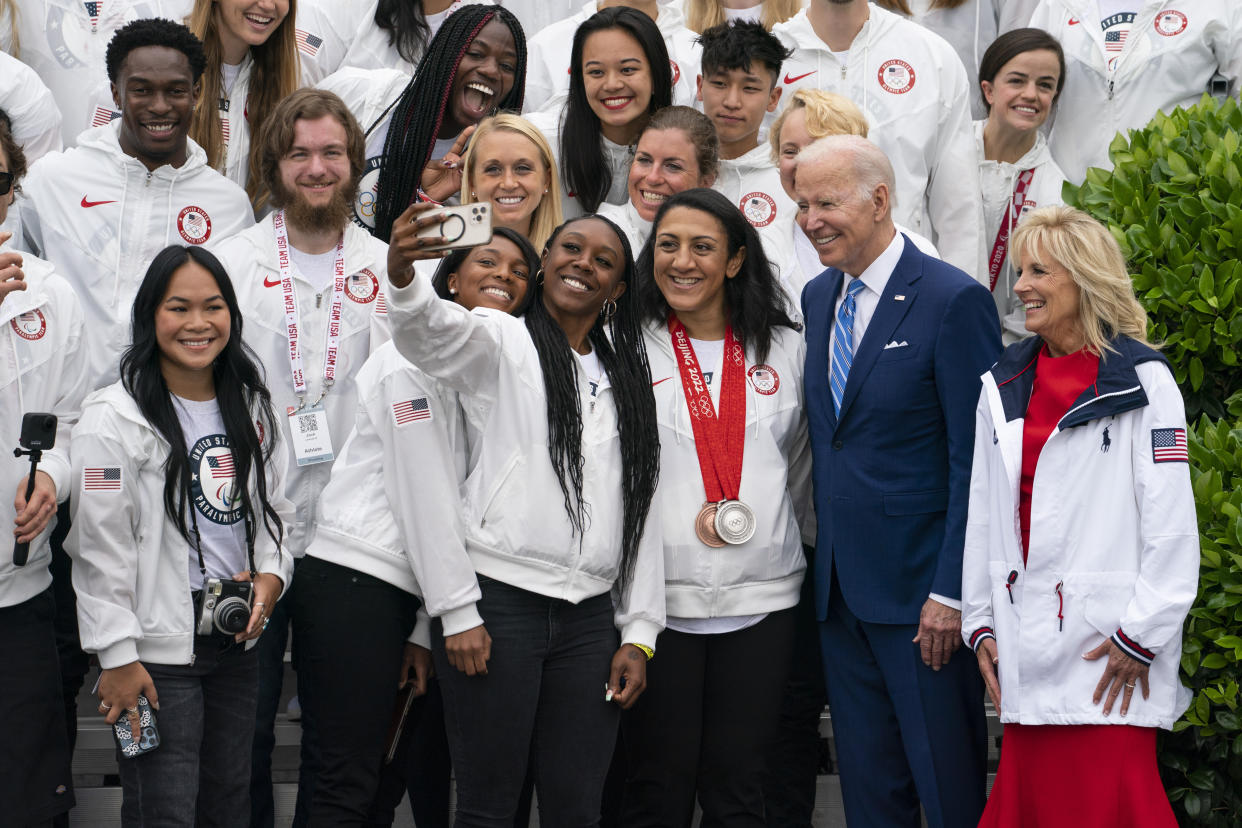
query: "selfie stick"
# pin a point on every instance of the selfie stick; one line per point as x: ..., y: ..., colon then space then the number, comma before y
x: 21, y: 550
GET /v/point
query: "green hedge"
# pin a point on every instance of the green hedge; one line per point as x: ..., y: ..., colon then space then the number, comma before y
x: 1174, y: 203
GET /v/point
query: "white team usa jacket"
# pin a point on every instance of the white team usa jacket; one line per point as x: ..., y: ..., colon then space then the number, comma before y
x: 129, y: 561
x: 393, y: 507
x: 1171, y: 52
x: 765, y: 573
x: 998, y: 180
x: 250, y: 259
x: 42, y: 370
x: 515, y: 527
x: 1114, y: 547
x: 548, y: 53
x: 753, y: 182
x: 100, y: 217
x: 912, y: 87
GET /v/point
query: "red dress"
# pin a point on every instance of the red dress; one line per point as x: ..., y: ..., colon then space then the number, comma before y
x: 1084, y: 776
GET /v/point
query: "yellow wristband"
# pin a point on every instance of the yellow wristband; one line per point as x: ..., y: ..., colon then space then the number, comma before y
x: 647, y: 651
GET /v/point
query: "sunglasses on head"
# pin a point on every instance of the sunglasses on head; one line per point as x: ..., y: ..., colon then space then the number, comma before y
x: 6, y: 182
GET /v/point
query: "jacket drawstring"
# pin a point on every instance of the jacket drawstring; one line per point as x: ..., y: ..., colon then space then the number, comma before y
x: 1060, y: 608
x: 1009, y: 582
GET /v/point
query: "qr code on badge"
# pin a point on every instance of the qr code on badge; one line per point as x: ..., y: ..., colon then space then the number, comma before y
x: 308, y: 425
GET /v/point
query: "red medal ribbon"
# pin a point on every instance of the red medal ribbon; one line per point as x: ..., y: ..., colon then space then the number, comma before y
x: 1000, y: 249
x: 718, y: 437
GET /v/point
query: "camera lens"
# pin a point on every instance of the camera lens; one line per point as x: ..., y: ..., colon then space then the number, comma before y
x: 232, y: 616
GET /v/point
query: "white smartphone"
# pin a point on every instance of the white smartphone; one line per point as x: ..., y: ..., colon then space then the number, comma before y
x: 467, y: 225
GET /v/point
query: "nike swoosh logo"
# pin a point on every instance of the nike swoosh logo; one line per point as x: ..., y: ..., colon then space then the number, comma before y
x: 798, y: 78
x: 269, y: 283
x: 657, y: 382
x: 1073, y: 21
x: 86, y: 203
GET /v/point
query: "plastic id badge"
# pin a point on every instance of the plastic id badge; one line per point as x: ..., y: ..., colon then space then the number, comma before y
x: 149, y: 737
x: 309, y: 429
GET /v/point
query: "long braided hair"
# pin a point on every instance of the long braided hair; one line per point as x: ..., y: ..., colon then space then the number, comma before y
x: 618, y: 343
x: 419, y: 113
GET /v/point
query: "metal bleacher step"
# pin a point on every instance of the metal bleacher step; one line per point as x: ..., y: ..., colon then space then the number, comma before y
x: 98, y: 791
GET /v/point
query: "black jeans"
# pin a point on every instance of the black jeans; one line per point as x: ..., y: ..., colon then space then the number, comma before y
x: 704, y: 724
x: 351, y: 630
x: 541, y: 701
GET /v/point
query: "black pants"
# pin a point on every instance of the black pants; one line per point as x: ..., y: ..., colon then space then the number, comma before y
x: 420, y: 767
x: 794, y: 757
x: 351, y: 630
x: 704, y: 724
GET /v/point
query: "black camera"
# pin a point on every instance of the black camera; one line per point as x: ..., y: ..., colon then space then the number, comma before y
x: 224, y: 606
x: 38, y: 432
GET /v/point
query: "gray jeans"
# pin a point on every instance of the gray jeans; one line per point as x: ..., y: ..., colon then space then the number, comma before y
x: 200, y: 773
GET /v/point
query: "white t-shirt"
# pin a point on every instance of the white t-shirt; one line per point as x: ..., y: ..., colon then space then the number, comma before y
x: 213, y: 492
x: 710, y: 354
x: 1116, y: 19
x: 594, y: 371
x: 228, y: 76
x: 316, y: 268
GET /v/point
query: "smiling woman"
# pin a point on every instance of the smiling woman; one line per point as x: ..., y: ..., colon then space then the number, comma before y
x: 252, y: 63
x: 509, y: 164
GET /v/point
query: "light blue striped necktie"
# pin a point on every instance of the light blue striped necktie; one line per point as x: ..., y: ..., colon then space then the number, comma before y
x: 843, y: 344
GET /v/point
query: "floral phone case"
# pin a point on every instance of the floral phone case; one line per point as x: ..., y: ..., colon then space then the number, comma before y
x: 149, y: 738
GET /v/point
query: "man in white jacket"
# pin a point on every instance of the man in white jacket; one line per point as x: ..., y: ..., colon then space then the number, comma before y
x: 737, y: 89
x: 1126, y: 60
x: 309, y: 279
x: 101, y: 211
x: 913, y: 88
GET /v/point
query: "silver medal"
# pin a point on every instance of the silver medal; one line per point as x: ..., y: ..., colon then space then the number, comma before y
x: 735, y: 522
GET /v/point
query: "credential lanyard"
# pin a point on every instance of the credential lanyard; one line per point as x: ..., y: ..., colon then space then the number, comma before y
x: 1000, y: 248
x: 718, y: 439
x: 293, y: 325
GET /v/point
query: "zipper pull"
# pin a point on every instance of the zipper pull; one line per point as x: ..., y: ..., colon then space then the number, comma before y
x: 1060, y: 608
x: 318, y: 300
x: 1009, y: 582
x: 1111, y: 84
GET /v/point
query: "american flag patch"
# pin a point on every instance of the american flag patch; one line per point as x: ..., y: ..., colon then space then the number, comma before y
x: 224, y: 130
x: 221, y: 465
x: 308, y: 42
x: 1168, y: 445
x: 102, y: 116
x: 411, y: 410
x: 381, y: 304
x: 1115, y: 40
x: 102, y: 479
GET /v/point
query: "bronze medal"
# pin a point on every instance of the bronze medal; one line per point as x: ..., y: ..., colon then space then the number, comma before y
x: 705, y: 526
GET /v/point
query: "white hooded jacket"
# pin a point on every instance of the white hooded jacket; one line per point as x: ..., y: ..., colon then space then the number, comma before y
x: 998, y: 180
x: 548, y: 53
x: 912, y: 87
x: 765, y: 573
x: 42, y: 369
x: 393, y: 507
x: 100, y: 217
x: 753, y: 183
x: 1171, y: 53
x: 129, y: 560
x: 1114, y: 541
x: 250, y: 259
x: 515, y: 526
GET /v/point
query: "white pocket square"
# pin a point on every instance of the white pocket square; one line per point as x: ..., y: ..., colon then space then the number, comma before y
x: 896, y: 344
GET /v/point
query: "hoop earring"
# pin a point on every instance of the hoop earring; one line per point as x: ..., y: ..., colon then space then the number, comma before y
x: 539, y: 276
x: 609, y: 310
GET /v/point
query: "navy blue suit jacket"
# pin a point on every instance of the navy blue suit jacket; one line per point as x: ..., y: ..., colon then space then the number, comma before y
x: 892, y: 474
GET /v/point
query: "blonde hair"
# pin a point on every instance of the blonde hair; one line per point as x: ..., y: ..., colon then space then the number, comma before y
x: 275, y: 73
x: 9, y: 10
x: 701, y: 15
x: 827, y: 113
x: 1107, y: 306
x: 547, y: 216
x: 902, y: 7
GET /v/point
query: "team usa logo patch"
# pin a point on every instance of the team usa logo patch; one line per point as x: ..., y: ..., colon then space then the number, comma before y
x: 1171, y: 22
x: 676, y: 70
x: 764, y: 379
x: 759, y: 208
x: 896, y: 76
x: 362, y: 287
x: 194, y: 225
x: 31, y: 325
x: 212, y: 475
x: 1168, y: 445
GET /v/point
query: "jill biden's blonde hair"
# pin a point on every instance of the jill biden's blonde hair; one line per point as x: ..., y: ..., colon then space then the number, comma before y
x: 1107, y: 306
x: 275, y: 73
x: 827, y: 113
x: 547, y: 216
x: 701, y: 15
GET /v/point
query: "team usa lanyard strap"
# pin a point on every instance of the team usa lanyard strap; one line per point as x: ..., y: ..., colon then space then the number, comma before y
x: 1000, y: 249
x: 293, y: 325
x: 718, y: 436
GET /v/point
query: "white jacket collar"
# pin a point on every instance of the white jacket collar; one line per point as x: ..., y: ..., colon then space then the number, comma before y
x: 106, y: 139
x: 358, y: 249
x: 1036, y: 155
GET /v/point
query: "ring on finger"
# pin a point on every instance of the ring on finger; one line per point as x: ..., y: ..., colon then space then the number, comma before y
x: 1130, y: 685
x: 104, y: 706
x: 133, y: 711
